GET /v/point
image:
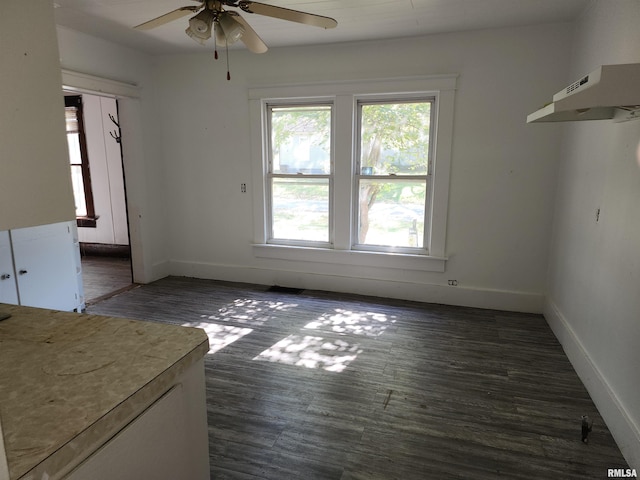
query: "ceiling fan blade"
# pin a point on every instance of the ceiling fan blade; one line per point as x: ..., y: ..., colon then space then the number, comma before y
x: 167, y: 17
x: 287, y: 14
x: 250, y: 38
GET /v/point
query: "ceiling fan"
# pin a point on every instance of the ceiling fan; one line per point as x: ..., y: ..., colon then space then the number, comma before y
x: 228, y: 26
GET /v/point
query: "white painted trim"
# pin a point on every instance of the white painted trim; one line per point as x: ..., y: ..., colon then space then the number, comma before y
x: 441, y: 86
x: 441, y: 172
x: 158, y: 270
x: 358, y: 258
x: 85, y: 83
x: 513, y: 301
x: 359, y: 87
x: 624, y: 430
x: 128, y: 95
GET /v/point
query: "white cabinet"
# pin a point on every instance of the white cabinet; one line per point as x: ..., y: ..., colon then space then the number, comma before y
x: 168, y: 441
x: 8, y: 288
x: 43, y: 265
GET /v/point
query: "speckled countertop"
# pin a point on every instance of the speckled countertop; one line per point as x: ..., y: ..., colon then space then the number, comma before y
x: 69, y: 382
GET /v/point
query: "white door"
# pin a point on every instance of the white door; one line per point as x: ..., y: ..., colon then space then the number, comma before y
x: 45, y: 266
x: 8, y: 289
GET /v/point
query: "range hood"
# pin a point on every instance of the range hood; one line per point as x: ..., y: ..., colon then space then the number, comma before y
x: 609, y: 92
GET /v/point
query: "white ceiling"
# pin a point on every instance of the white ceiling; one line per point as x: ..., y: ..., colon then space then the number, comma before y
x: 357, y: 19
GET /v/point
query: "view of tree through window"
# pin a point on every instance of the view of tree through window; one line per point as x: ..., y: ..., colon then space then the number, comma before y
x: 300, y: 172
x: 353, y: 171
x: 391, y: 173
x: 394, y: 168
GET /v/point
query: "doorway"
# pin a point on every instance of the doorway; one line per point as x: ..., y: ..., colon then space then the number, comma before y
x: 93, y: 133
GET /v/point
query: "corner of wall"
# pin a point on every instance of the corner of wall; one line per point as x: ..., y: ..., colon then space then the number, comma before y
x: 624, y: 430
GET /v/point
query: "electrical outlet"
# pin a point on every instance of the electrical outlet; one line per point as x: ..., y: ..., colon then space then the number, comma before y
x: 452, y: 283
x: 243, y: 188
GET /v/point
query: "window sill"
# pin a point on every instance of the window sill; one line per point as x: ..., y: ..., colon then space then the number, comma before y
x: 90, y: 222
x: 400, y: 261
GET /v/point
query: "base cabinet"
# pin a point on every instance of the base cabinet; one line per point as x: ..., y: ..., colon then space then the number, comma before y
x: 168, y: 441
x: 40, y: 267
x: 8, y: 286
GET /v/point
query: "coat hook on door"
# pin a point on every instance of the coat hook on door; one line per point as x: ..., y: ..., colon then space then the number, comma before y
x: 115, y: 133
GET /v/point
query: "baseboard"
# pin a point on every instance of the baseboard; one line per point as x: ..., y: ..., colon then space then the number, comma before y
x: 105, y: 250
x: 159, y: 270
x: 618, y: 420
x: 421, y: 292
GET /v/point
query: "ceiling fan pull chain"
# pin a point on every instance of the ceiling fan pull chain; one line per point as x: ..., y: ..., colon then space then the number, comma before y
x: 228, y: 73
x: 215, y: 44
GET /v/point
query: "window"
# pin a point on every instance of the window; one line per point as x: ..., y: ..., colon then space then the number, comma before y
x: 299, y: 173
x: 347, y: 173
x: 79, y: 162
x: 393, y: 179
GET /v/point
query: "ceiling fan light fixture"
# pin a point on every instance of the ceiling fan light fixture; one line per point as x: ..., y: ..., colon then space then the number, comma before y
x: 219, y: 34
x: 230, y: 26
x: 200, y: 26
x: 232, y: 29
x: 195, y: 36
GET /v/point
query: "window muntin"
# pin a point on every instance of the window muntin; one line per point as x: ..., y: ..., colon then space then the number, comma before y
x: 393, y: 179
x: 300, y: 173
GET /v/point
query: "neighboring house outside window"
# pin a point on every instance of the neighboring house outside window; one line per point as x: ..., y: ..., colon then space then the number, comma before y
x: 79, y: 162
x: 354, y: 168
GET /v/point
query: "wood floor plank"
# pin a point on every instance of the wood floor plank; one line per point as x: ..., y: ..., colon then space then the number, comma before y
x: 319, y: 385
x: 101, y: 276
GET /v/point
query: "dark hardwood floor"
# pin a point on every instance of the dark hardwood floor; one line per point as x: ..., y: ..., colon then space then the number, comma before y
x: 318, y: 385
x: 103, y: 276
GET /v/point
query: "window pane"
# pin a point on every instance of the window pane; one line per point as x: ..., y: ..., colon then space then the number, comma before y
x: 73, y: 140
x: 394, y: 138
x: 301, y: 139
x: 78, y: 190
x: 300, y: 209
x: 71, y: 119
x: 391, y: 212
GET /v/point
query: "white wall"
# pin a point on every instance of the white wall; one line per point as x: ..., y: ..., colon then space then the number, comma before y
x: 35, y: 184
x: 107, y: 178
x: 593, y: 303
x: 188, y: 150
x: 143, y: 171
x: 502, y: 177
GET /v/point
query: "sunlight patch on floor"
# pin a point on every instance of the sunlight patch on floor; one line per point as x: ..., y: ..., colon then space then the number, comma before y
x: 348, y: 322
x: 312, y: 352
x: 219, y: 335
x: 251, y: 312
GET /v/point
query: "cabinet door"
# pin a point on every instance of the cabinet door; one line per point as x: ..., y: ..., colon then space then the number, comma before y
x: 168, y: 441
x: 45, y: 266
x: 8, y: 289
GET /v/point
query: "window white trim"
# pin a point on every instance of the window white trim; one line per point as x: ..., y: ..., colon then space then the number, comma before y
x: 441, y: 86
x: 401, y: 261
x: 270, y: 175
x: 84, y: 83
x: 359, y: 100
